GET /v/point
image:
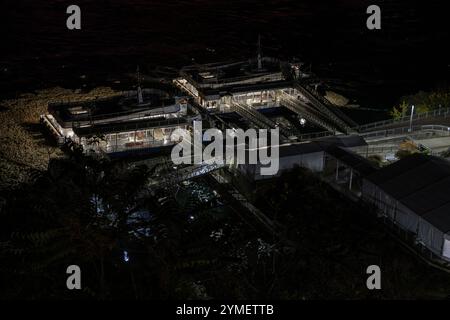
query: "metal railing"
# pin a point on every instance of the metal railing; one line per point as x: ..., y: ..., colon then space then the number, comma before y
x: 128, y: 116
x: 251, y: 114
x: 376, y: 150
x: 135, y: 126
x: 296, y: 106
x: 136, y: 147
x: 216, y: 83
x: 227, y: 189
x: 315, y: 135
x: 184, y: 174
x: 437, y: 113
x: 260, y: 120
x: 323, y: 107
x: 406, y: 131
x: 48, y: 122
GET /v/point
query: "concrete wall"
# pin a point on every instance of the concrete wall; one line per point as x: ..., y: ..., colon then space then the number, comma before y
x: 312, y: 161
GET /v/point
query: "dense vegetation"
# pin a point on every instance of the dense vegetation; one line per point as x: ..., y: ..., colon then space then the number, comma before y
x: 185, y: 242
x: 423, y: 102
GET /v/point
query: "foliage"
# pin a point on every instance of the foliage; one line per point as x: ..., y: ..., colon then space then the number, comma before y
x: 446, y: 153
x: 187, y: 243
x: 401, y: 154
x: 399, y: 111
x: 376, y: 159
x: 408, y: 145
x: 334, y: 240
x: 423, y: 102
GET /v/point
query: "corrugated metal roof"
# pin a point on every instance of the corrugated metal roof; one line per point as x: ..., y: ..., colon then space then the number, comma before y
x: 129, y: 126
x: 421, y: 183
x: 299, y: 148
x: 396, y: 169
x: 346, y: 141
x: 243, y: 88
x: 439, y: 217
x: 358, y: 163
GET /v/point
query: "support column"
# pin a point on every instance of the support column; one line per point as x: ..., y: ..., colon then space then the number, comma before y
x: 351, y: 179
x: 337, y: 169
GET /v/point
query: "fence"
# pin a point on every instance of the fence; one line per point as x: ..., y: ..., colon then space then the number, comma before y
x: 437, y: 113
x: 315, y: 135
x: 376, y: 150
x: 124, y: 127
x: 433, y: 129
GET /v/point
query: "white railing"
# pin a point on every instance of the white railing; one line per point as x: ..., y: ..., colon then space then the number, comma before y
x: 296, y: 106
x: 260, y: 119
x: 315, y: 135
x: 135, y: 147
x: 437, y: 113
x: 444, y: 130
x: 323, y: 107
x: 376, y: 150
x: 183, y: 174
x: 135, y: 126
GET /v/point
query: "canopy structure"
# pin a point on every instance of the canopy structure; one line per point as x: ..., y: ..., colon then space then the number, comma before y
x: 415, y: 193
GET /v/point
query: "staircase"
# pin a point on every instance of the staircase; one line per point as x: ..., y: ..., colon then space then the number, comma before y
x: 261, y: 121
x: 305, y: 111
x: 184, y: 174
x: 335, y: 116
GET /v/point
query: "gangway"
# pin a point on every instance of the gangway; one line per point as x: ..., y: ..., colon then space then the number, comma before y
x: 300, y: 108
x: 324, y: 108
x: 261, y: 121
x: 240, y: 203
x: 180, y: 175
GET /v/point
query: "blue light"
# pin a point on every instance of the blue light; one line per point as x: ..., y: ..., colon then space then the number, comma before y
x: 126, y: 258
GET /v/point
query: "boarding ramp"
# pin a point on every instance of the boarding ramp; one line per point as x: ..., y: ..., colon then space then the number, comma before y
x: 334, y: 115
x: 439, y: 116
x: 305, y: 111
x: 180, y: 175
x: 408, y: 131
x: 261, y: 121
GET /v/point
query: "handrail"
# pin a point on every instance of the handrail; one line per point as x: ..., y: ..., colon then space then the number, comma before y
x: 324, y: 108
x: 315, y: 135
x: 241, y: 109
x: 260, y: 119
x: 133, y: 126
x: 142, y: 112
x: 444, y: 113
x: 402, y: 130
x: 295, y: 106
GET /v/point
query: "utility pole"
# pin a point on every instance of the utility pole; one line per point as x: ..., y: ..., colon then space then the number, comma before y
x: 259, y: 53
x: 411, y: 120
x: 139, y: 89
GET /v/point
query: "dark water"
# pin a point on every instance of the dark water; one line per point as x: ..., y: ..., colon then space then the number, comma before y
x: 408, y: 54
